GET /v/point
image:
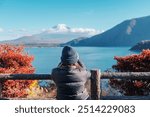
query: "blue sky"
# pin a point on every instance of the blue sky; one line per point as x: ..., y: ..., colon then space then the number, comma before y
x: 25, y: 17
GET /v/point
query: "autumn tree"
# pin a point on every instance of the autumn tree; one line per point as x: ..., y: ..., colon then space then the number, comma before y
x: 133, y: 63
x: 14, y: 60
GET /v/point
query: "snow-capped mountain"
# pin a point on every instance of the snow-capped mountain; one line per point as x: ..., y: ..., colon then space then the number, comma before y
x: 61, y: 27
x: 60, y: 33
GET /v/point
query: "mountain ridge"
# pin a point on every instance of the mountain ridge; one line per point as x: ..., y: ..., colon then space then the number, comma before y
x: 126, y: 33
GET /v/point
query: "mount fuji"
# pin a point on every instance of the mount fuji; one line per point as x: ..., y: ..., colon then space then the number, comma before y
x: 56, y: 35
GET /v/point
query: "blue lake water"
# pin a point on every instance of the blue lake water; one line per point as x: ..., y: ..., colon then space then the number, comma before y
x: 93, y: 57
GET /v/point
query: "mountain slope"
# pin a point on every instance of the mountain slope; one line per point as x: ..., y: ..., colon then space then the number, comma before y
x: 73, y: 42
x: 145, y: 44
x: 127, y: 33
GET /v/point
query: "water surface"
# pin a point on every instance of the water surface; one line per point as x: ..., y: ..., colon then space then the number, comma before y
x: 93, y: 57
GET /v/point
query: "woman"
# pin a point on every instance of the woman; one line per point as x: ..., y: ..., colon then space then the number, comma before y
x: 70, y: 76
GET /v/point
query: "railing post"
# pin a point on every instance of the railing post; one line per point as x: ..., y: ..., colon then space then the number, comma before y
x: 0, y: 89
x: 95, y: 84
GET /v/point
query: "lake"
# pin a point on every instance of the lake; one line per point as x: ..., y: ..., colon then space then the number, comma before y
x: 93, y: 57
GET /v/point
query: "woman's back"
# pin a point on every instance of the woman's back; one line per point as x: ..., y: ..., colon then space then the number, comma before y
x: 70, y: 83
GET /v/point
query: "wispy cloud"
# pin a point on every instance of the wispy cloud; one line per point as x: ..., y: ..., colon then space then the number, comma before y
x: 1, y: 30
x: 88, y: 31
x: 9, y: 34
x: 63, y: 28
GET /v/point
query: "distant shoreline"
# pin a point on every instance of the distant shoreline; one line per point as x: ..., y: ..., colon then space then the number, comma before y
x: 44, y: 45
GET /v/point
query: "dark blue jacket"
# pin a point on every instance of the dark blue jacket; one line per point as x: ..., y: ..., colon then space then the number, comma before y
x: 70, y: 83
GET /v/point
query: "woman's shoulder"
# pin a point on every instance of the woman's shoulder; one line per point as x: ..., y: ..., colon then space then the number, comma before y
x: 70, y: 69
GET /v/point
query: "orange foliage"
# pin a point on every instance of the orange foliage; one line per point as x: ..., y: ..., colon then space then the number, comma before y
x: 133, y: 63
x: 14, y: 60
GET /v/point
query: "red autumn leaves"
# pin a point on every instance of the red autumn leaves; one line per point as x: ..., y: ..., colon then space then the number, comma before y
x: 133, y: 63
x: 13, y: 60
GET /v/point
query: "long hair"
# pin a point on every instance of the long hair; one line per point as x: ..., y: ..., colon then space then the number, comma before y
x: 79, y: 65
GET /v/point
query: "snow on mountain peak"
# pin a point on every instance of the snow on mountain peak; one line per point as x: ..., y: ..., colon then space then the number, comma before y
x: 64, y: 29
x: 61, y: 27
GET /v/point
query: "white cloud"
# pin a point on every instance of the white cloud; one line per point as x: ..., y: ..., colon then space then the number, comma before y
x: 63, y: 28
x: 1, y: 30
x: 88, y: 31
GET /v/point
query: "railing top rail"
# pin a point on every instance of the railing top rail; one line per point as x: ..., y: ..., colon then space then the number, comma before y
x: 104, y: 75
x: 25, y: 77
x: 126, y: 75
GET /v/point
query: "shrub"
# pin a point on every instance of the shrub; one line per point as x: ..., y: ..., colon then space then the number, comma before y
x: 133, y: 63
x: 14, y: 60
